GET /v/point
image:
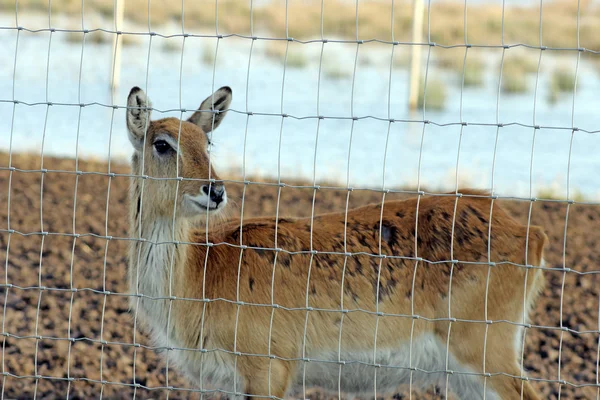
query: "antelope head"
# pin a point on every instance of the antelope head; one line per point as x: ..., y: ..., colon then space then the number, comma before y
x: 174, y: 154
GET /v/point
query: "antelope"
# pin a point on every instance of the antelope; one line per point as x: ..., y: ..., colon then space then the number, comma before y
x: 433, y: 290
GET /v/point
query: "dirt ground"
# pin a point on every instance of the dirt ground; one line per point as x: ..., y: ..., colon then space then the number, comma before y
x: 60, y: 262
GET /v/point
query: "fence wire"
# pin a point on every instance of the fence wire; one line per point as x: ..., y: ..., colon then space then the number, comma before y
x: 561, y: 266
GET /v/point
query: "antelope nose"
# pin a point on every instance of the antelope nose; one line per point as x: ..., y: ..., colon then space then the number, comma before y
x: 216, y: 193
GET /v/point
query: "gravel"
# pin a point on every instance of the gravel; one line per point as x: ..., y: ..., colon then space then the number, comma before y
x: 101, y: 330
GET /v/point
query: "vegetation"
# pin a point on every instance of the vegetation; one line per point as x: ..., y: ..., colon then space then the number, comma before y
x: 296, y: 60
x: 128, y: 40
x: 451, y: 59
x: 515, y: 71
x: 208, y: 55
x: 364, y: 58
x: 171, y: 45
x: 473, y: 73
x: 295, y: 57
x: 435, y: 96
x: 99, y: 37
x: 522, y: 62
x: 563, y: 80
x: 454, y: 60
x: 514, y: 79
x: 91, y: 37
x: 335, y: 71
x: 484, y: 21
x: 554, y: 193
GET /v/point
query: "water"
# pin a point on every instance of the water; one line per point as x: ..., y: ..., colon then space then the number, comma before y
x: 345, y: 150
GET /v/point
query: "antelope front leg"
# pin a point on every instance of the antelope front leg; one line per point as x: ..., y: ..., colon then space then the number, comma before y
x: 262, y: 380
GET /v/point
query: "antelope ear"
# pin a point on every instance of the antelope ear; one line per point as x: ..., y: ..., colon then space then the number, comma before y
x: 139, y: 109
x: 212, y: 110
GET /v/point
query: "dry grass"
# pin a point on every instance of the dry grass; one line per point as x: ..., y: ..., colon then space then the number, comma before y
x: 562, y: 81
x: 335, y: 71
x: 96, y: 37
x: 514, y: 80
x: 435, y: 96
x: 99, y: 37
x: 472, y: 68
x: 483, y: 26
x: 515, y: 71
x: 526, y: 64
x: 208, y: 55
x: 554, y: 193
x: 171, y: 45
x: 295, y: 58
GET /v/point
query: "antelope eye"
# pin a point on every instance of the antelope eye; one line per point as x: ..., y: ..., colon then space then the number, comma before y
x: 161, y: 146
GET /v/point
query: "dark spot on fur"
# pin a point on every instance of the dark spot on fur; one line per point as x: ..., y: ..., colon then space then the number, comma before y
x: 263, y: 253
x: 285, y: 260
x: 363, y: 241
x: 386, y: 233
x: 400, y: 214
x: 429, y: 215
x: 476, y: 213
x: 446, y: 268
x: 462, y: 234
x: 389, y: 234
x: 139, y: 206
x: 235, y: 237
x: 478, y: 232
x: 348, y: 291
x: 313, y: 289
x: 251, y: 284
x: 434, y: 230
x: 357, y: 266
x: 383, y: 292
x: 375, y: 265
x: 464, y: 217
x: 445, y: 216
x: 249, y: 227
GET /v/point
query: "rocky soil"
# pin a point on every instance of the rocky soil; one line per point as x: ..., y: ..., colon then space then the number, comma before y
x: 57, y: 333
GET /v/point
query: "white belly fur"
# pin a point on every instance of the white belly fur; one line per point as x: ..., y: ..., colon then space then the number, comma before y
x: 428, y: 354
x: 357, y: 375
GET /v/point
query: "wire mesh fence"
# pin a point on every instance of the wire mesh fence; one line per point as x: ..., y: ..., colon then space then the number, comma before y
x: 319, y: 124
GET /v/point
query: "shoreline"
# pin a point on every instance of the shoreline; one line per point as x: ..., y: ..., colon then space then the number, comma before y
x: 233, y: 175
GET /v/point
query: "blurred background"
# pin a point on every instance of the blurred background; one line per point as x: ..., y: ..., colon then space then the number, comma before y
x: 485, y: 84
x: 506, y: 100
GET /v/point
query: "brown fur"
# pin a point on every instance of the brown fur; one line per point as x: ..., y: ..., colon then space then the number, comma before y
x: 392, y: 295
x: 366, y: 267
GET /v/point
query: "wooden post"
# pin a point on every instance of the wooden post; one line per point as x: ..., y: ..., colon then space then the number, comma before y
x: 415, y: 58
x: 117, y: 44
